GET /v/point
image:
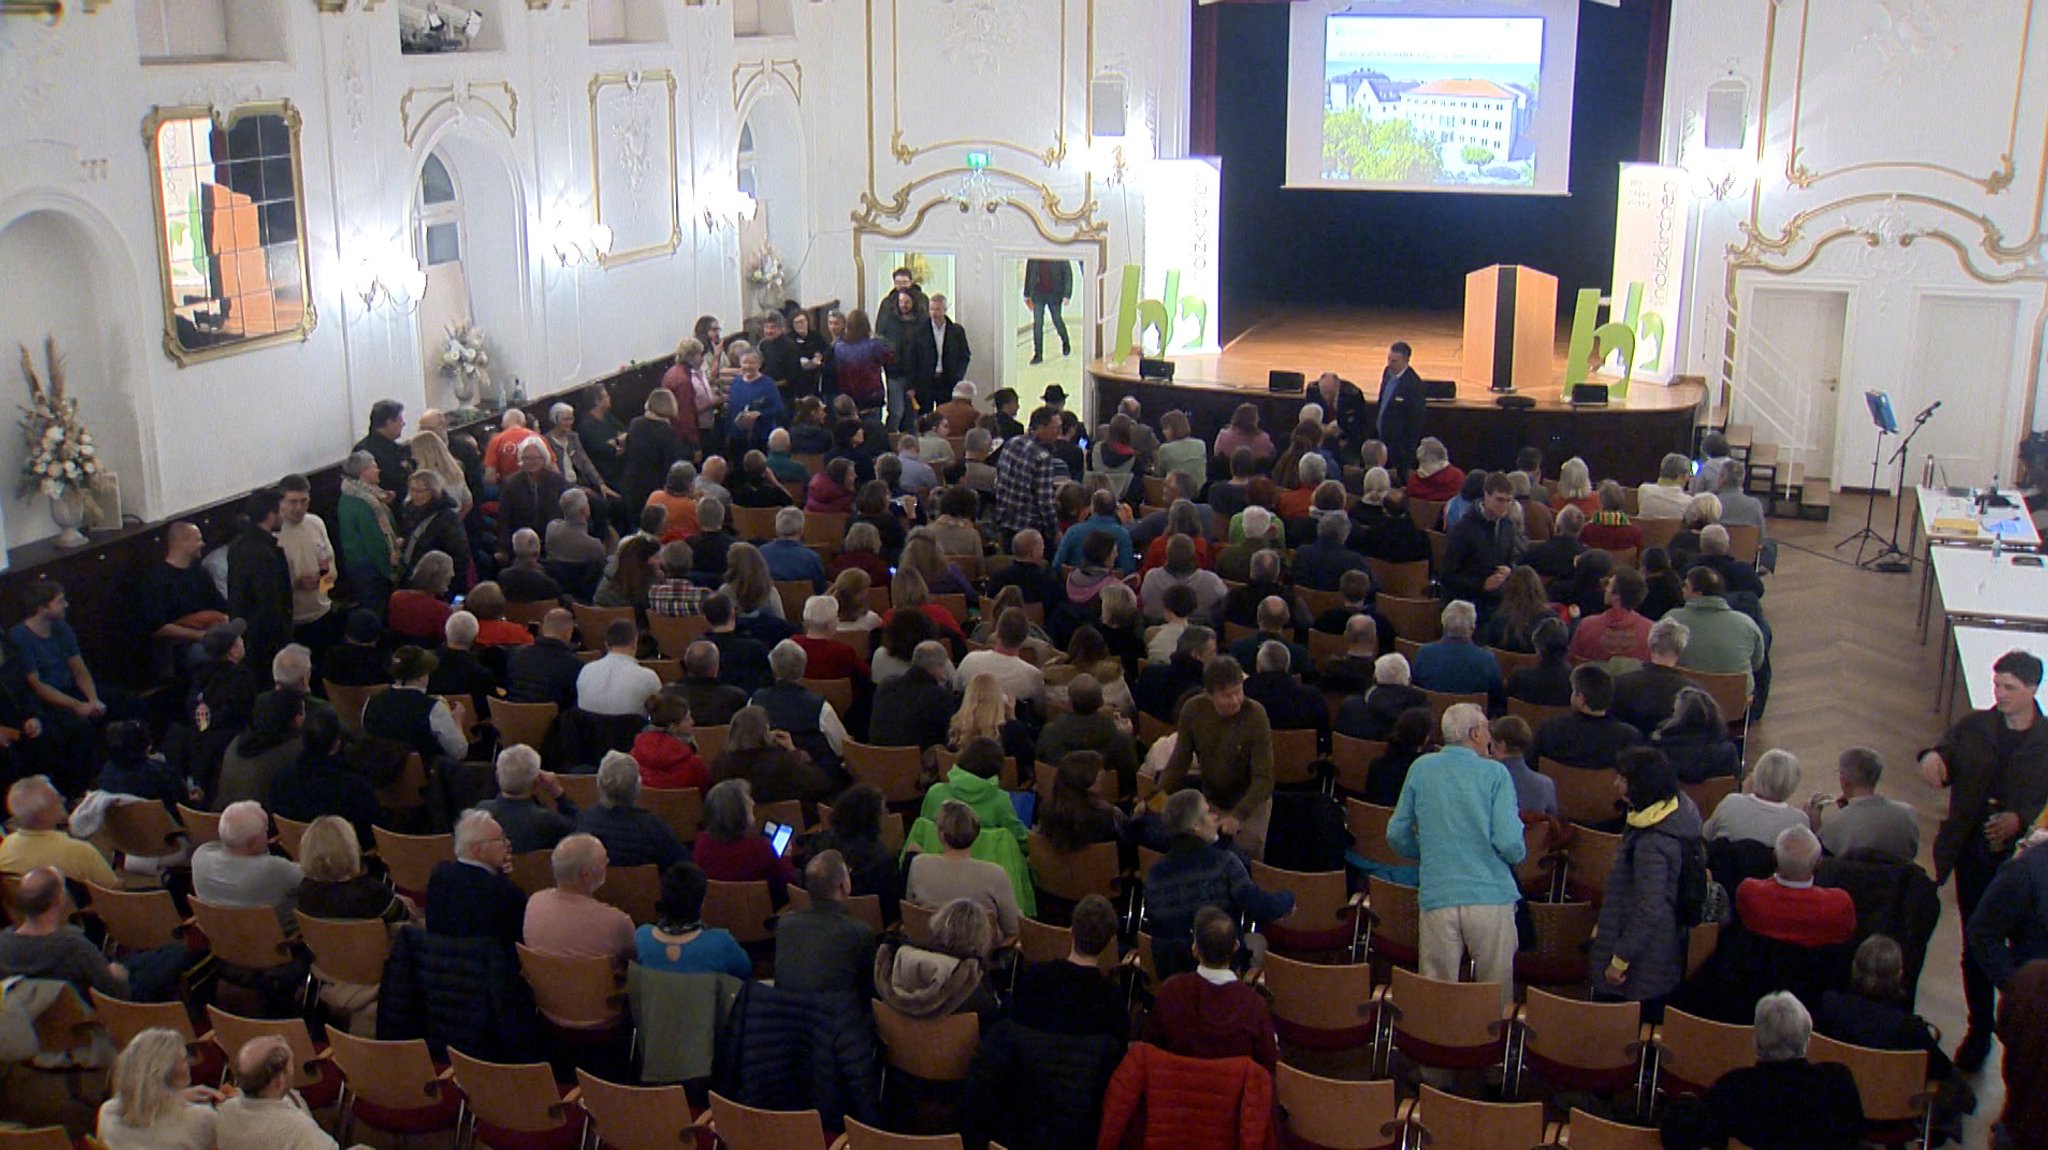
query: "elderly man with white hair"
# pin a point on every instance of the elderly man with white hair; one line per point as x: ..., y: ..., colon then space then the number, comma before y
x: 569, y: 539
x: 1736, y: 576
x: 807, y: 716
x: 1458, y: 814
x: 1759, y: 813
x: 530, y: 497
x: 474, y: 896
x: 239, y: 870
x: 566, y: 919
x: 266, y: 1113
x: 828, y: 656
x: 527, y: 824
x: 1455, y: 664
x: 1391, y: 693
x: 788, y: 558
x: 501, y: 454
x: 575, y: 464
x: 631, y: 836
x: 1258, y: 534
x: 37, y: 809
x: 1783, y: 1100
x: 782, y: 463
x: 525, y: 580
x: 1787, y: 907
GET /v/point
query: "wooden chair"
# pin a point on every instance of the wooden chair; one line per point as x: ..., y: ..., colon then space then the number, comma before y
x: 1534, y: 714
x: 667, y: 670
x: 143, y: 829
x: 533, y: 871
x: 1407, y: 649
x: 711, y: 741
x: 1693, y: 1053
x: 124, y: 1020
x: 673, y: 634
x: 1441, y: 701
x: 1441, y: 1119
x: 838, y: 692
x: 1585, y: 795
x: 1893, y: 1085
x: 754, y: 524
x: 1073, y: 876
x: 682, y: 808
x: 861, y: 1137
x: 575, y: 992
x: 895, y: 771
x: 591, y: 622
x: 289, y: 834
x: 1323, y: 919
x: 1730, y: 693
x: 581, y: 789
x: 1563, y: 930
x: 928, y: 1049
x: 633, y: 889
x: 1453, y: 1025
x: 917, y: 921
x: 1416, y: 620
x: 510, y: 1104
x: 1318, y: 602
x: 1043, y: 942
x: 637, y: 1117
x: 793, y: 592
x: 1623, y: 556
x: 1404, y: 580
x: 879, y: 601
x: 1577, y: 1045
x: 136, y: 920
x: 393, y: 1087
x: 1660, y: 532
x: 1439, y: 545
x: 957, y: 605
x: 744, y: 908
x: 36, y: 1138
x: 1351, y: 759
x: 1336, y: 1113
x: 1323, y: 647
x: 348, y: 704
x: 411, y: 859
x: 1294, y: 757
x: 1426, y: 513
x: 788, y: 812
x: 530, y: 614
x: 1587, y: 1131
x: 866, y: 907
x: 862, y: 641
x: 1589, y: 859
x: 1152, y: 729
x: 1511, y: 661
x: 1368, y: 824
x: 1393, y: 922
x: 825, y: 531
x: 407, y: 792
x: 745, y: 1128
x: 523, y: 724
x: 892, y: 827
x: 346, y: 950
x: 1320, y: 1007
x: 248, y: 937
x: 463, y: 708
x: 1744, y: 542
x: 1708, y: 793
x: 317, y: 1080
x: 201, y: 827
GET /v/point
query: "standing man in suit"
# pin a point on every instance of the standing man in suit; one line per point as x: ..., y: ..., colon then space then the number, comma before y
x: 1048, y: 284
x: 938, y: 356
x: 1403, y: 403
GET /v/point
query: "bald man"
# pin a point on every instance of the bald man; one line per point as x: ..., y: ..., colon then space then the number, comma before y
x: 567, y: 919
x: 268, y: 1114
x: 38, y: 811
x: 179, y: 599
x: 46, y: 945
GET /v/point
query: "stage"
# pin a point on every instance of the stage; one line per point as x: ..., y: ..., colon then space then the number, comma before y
x: 1625, y: 439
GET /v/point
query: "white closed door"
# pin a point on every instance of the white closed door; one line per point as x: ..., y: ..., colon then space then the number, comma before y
x: 1967, y: 354
x: 1793, y: 373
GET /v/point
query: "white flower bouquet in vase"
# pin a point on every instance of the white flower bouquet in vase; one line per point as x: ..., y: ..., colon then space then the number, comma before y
x: 467, y: 364
x: 62, y: 461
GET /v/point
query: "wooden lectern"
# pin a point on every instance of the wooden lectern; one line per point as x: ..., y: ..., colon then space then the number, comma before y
x: 1510, y: 327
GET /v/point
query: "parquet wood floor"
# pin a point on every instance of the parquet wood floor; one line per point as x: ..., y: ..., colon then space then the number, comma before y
x: 1848, y: 672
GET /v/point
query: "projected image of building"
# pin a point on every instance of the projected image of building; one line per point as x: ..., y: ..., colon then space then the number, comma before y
x: 1469, y: 113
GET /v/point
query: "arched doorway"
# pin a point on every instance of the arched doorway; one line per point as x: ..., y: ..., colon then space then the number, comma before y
x: 468, y: 233
x: 771, y: 169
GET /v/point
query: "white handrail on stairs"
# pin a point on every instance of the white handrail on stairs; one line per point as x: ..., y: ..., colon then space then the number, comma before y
x: 1771, y: 391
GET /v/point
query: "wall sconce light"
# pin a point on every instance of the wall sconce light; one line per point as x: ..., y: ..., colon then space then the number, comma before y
x: 1725, y: 123
x: 395, y: 281
x: 580, y: 242
x: 728, y: 207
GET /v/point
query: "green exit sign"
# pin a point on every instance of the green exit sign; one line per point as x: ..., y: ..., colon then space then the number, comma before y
x: 976, y: 161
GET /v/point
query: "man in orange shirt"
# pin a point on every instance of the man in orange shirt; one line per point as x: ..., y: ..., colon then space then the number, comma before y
x: 501, y: 455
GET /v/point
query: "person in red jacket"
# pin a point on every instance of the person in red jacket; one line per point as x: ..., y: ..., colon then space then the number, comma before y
x: 1787, y: 906
x: 667, y: 749
x: 827, y: 656
x: 1209, y: 1012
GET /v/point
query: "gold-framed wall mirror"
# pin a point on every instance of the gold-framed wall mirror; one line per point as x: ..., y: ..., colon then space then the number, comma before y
x: 230, y: 228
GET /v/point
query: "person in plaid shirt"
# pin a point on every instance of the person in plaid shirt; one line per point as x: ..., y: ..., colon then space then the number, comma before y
x: 674, y: 594
x: 1027, y: 475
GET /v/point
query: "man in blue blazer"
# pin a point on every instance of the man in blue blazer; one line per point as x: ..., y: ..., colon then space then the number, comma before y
x: 473, y: 896
x: 1403, y: 403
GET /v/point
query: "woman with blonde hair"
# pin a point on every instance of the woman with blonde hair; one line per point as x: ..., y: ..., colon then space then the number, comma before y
x: 748, y: 582
x: 908, y: 592
x: 654, y: 443
x: 430, y: 452
x: 850, y: 589
x: 336, y: 887
x: 985, y: 710
x: 921, y: 552
x: 155, y: 1106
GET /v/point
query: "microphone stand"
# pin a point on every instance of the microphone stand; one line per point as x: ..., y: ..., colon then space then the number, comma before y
x: 1892, y: 560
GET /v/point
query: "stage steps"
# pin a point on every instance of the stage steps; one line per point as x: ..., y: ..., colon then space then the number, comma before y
x: 1787, y: 491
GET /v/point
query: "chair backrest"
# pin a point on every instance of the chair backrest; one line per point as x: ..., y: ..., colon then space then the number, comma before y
x: 347, y: 950
x: 248, y: 937
x: 1072, y: 875
x: 743, y: 908
x: 1352, y: 758
x: 666, y: 670
x: 1368, y: 823
x: 1324, y: 646
x: 1043, y: 942
x: 201, y: 827
x: 931, y: 1049
x: 36, y: 1138
x: 895, y: 771
x: 1591, y: 856
x: 124, y: 1019
x: 682, y: 808
x: 710, y: 741
x: 1294, y: 754
x: 580, y: 991
x: 1318, y: 602
x: 533, y: 871
x: 1693, y: 1053
x: 861, y: 640
x: 793, y: 592
x: 673, y: 634
x: 1396, y: 917
x: 1708, y: 793
x: 1563, y: 930
x: 1893, y: 1083
x: 349, y: 703
x: 1339, y: 1114
x: 411, y: 859
x: 825, y: 529
x: 290, y: 832
x: 1321, y: 903
x: 1321, y: 1006
x: 1580, y: 1034
x: 525, y: 724
x: 1584, y: 794
x: 580, y: 789
x: 1623, y: 556
x: 756, y: 524
x: 144, y: 829
x: 591, y: 622
x: 232, y: 1031
x: 633, y: 889
x: 788, y: 812
x: 1448, y: 1120
x: 1512, y: 661
x: 1449, y: 1015
x: 1730, y: 691
x: 1588, y: 1131
x: 1426, y: 513
x: 1406, y: 580
x: 389, y: 1075
x: 745, y: 1128
x: 917, y: 921
x: 136, y: 920
x: 1744, y: 541
x: 865, y: 907
x: 510, y: 1096
x: 407, y: 792
x: 838, y: 692
x: 1534, y: 714
x: 637, y: 1117
x: 863, y: 1137
x: 1417, y: 620
x: 892, y: 827
x: 1441, y: 701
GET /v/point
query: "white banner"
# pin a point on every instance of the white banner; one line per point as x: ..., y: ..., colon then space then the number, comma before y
x: 1183, y: 212
x: 1650, y: 222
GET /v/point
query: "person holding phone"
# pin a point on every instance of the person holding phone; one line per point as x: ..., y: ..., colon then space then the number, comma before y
x: 732, y: 847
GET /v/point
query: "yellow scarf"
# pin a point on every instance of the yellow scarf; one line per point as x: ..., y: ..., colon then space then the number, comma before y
x: 1653, y: 814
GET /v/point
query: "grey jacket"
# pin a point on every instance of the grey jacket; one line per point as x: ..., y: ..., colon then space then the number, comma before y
x: 1639, y: 919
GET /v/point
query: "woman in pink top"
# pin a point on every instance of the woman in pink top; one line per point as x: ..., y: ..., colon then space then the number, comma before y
x: 731, y: 848
x: 1244, y: 432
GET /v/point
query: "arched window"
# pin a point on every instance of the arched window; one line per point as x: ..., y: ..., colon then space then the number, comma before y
x: 745, y: 160
x: 438, y: 209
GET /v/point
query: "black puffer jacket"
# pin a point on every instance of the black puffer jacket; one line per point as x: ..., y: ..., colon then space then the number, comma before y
x: 1892, y: 898
x: 1030, y: 1090
x: 781, y: 1050
x: 461, y: 992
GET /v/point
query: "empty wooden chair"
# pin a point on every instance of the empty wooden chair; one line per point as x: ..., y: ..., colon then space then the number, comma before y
x: 1338, y: 1114
x: 575, y: 992
x: 1073, y: 875
x: 1441, y: 1119
x: 1588, y: 1131
x: 745, y: 1128
x: 1577, y: 1045
x: 633, y: 889
x: 673, y: 634
x: 136, y: 920
x: 1321, y: 1007
x: 1402, y: 580
x: 36, y: 1138
x: 317, y: 1080
x: 1417, y: 620
x: 1393, y: 922
x: 682, y: 808
x: 1441, y: 701
x: 1563, y: 930
x: 743, y: 908
x: 1350, y: 759
x: 1368, y: 823
x: 1323, y: 919
x: 248, y: 937
x: 1693, y: 1053
x: 393, y: 1087
x: 895, y: 771
x: 201, y: 827
x: 516, y: 1107
x: 637, y: 1117
x: 1589, y: 858
x: 864, y: 1137
x: 1585, y: 795
x: 411, y: 859
x: 1893, y: 1085
x: 523, y: 724
x: 1453, y: 1025
x: 346, y: 950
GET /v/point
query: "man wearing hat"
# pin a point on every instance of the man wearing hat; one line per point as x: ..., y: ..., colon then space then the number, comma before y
x: 407, y: 714
x: 1056, y: 397
x: 959, y: 412
x: 356, y: 661
x: 224, y: 688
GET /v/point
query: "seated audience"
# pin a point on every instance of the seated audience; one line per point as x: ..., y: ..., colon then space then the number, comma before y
x: 915, y: 708
x: 948, y: 973
x: 1590, y: 736
x: 38, y: 840
x: 1086, y: 727
x: 1619, y: 632
x: 1072, y: 996
x: 258, y: 755
x: 1198, y: 872
x: 1787, y: 907
x: 732, y: 848
x: 239, y: 870
x: 457, y: 669
x: 525, y: 580
x: 1610, y: 529
x: 667, y: 749
x: 1208, y: 1012
x: 805, y: 715
x: 132, y: 769
x: 1555, y: 557
x: 741, y: 657
x: 827, y: 657
x: 1372, y: 717
x: 567, y: 919
x: 1435, y: 477
x: 1723, y: 641
x: 1549, y: 682
x: 1408, y: 741
x: 1290, y: 704
x: 1274, y: 622
x: 1455, y: 664
x: 321, y: 781
x: 474, y: 896
x: 677, y: 940
x: 855, y: 831
x: 787, y: 557
x: 153, y: 1104
x: 265, y: 1112
x: 1322, y: 564
x: 1784, y: 1102
x: 1523, y: 607
x: 1535, y: 793
x: 420, y: 610
x: 1645, y: 697
x: 407, y: 714
x: 675, y: 595
x: 770, y: 760
x: 526, y: 824
x: 713, y: 701
x: 1350, y: 671
x: 954, y: 873
x: 1758, y: 813
x: 1180, y: 566
x: 1074, y: 816
x: 1665, y: 498
x: 632, y: 836
x: 1873, y: 1010
x: 1029, y: 571
x: 1695, y: 738
x: 1863, y: 821
x: 44, y: 944
x: 546, y: 670
x: 823, y: 949
x: 617, y: 683
x: 356, y: 661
